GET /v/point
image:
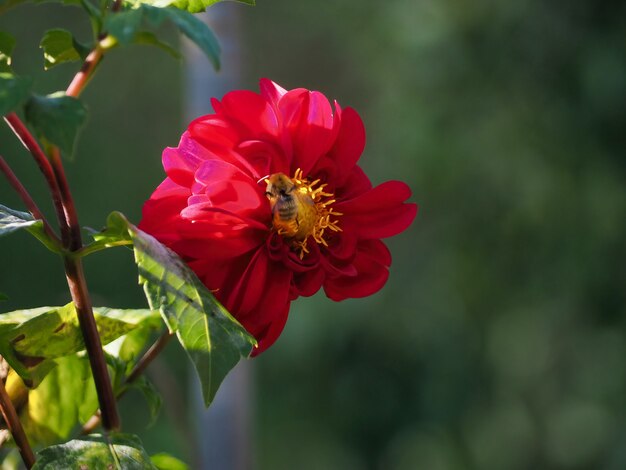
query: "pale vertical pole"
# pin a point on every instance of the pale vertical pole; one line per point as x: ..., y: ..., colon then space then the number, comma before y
x: 224, y: 430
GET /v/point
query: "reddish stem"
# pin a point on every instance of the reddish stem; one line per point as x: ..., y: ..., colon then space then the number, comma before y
x: 22, y: 132
x: 15, y: 426
x: 27, y: 199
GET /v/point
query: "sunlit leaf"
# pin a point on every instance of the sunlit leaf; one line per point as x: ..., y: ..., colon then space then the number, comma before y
x: 165, y: 461
x: 197, y: 6
x: 66, y: 397
x: 60, y: 46
x: 113, y: 450
x: 212, y: 338
x: 7, y: 43
x: 58, y: 118
x: 32, y: 340
x: 14, y: 91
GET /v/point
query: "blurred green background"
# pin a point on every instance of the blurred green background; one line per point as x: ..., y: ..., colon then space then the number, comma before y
x: 499, y: 341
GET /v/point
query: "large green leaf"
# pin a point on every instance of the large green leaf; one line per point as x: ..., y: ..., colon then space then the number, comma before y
x: 125, y: 25
x: 58, y: 118
x: 32, y: 340
x: 14, y: 91
x: 7, y: 43
x: 197, y: 6
x: 60, y: 46
x: 113, y: 451
x: 212, y: 338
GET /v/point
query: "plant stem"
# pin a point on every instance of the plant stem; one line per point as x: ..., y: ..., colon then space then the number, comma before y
x: 152, y: 352
x: 27, y: 199
x: 14, y: 425
x: 80, y: 80
x: 80, y: 296
x: 22, y: 132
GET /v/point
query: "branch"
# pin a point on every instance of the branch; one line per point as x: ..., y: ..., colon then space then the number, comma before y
x: 27, y: 199
x: 152, y: 352
x: 15, y: 426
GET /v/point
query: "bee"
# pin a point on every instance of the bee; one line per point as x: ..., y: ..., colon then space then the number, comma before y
x: 293, y: 210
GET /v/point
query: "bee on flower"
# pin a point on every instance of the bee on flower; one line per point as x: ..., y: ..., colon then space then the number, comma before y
x: 265, y: 201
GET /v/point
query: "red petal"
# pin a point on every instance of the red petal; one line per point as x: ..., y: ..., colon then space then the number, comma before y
x: 378, y: 213
x: 223, y: 185
x: 260, y: 298
x: 161, y: 213
x: 308, y: 117
x: 371, y: 265
x: 271, y: 90
x: 349, y: 144
x: 251, y: 113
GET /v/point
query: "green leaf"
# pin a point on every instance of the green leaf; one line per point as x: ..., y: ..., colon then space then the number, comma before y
x: 109, y: 451
x: 198, y: 31
x: 164, y: 461
x: 150, y: 393
x: 64, y: 398
x: 32, y: 340
x: 150, y: 39
x: 7, y: 43
x: 3, y: 297
x: 60, y: 46
x: 124, y: 26
x: 14, y: 91
x: 212, y: 338
x: 197, y: 6
x: 12, y: 220
x: 58, y: 118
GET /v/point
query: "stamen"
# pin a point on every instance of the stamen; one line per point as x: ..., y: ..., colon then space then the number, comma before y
x: 313, y: 215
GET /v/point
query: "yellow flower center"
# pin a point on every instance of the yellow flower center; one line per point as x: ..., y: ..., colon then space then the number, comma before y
x: 301, y: 209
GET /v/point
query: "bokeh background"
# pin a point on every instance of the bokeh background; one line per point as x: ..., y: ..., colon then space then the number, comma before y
x: 499, y: 341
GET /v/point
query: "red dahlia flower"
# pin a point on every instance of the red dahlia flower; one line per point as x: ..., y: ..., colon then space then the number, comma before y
x: 266, y: 203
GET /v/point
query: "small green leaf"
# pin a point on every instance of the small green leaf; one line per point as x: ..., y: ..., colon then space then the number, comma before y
x: 114, y: 450
x: 150, y: 393
x: 198, y: 31
x: 12, y: 220
x: 165, y: 461
x: 58, y: 118
x: 7, y: 43
x: 32, y: 340
x: 14, y: 91
x: 150, y: 39
x: 125, y: 26
x: 3, y: 297
x: 59, y: 46
x: 197, y: 6
x: 212, y: 338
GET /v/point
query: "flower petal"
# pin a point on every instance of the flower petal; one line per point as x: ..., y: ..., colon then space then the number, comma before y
x: 308, y: 117
x: 371, y: 266
x: 378, y: 213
